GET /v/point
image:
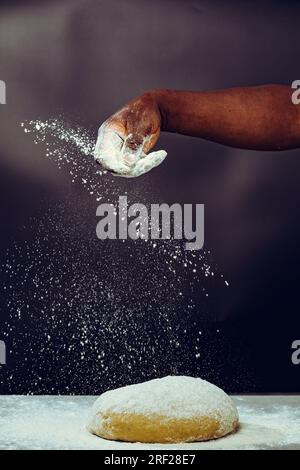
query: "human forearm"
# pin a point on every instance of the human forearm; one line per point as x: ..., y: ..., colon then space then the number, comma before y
x: 261, y: 118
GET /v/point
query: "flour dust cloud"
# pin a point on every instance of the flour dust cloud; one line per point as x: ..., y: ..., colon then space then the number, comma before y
x: 88, y: 315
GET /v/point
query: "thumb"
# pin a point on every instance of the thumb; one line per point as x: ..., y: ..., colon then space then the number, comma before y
x: 147, y: 163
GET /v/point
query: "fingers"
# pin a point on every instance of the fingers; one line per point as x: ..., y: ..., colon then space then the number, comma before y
x: 135, y: 147
x: 150, y: 141
x: 146, y: 163
x: 132, y: 149
x: 108, y: 148
x: 125, y: 156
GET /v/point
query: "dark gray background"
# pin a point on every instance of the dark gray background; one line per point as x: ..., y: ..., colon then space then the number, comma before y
x: 86, y: 59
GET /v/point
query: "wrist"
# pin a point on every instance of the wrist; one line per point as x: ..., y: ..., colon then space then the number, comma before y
x: 158, y: 100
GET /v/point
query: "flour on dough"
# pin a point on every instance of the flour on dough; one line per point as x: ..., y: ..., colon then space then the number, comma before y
x: 171, y: 409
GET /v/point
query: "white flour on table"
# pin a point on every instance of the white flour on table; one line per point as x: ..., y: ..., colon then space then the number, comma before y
x: 59, y: 423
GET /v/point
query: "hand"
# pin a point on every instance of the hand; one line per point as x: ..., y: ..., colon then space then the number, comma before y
x: 126, y: 138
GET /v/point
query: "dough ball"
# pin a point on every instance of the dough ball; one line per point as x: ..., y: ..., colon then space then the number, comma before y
x: 171, y: 409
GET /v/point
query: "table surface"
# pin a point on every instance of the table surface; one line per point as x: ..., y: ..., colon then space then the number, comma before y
x: 58, y: 422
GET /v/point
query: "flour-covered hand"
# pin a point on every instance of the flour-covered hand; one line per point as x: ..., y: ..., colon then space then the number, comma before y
x: 126, y: 138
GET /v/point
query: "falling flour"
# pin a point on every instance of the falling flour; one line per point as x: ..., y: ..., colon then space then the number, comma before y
x: 85, y: 316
